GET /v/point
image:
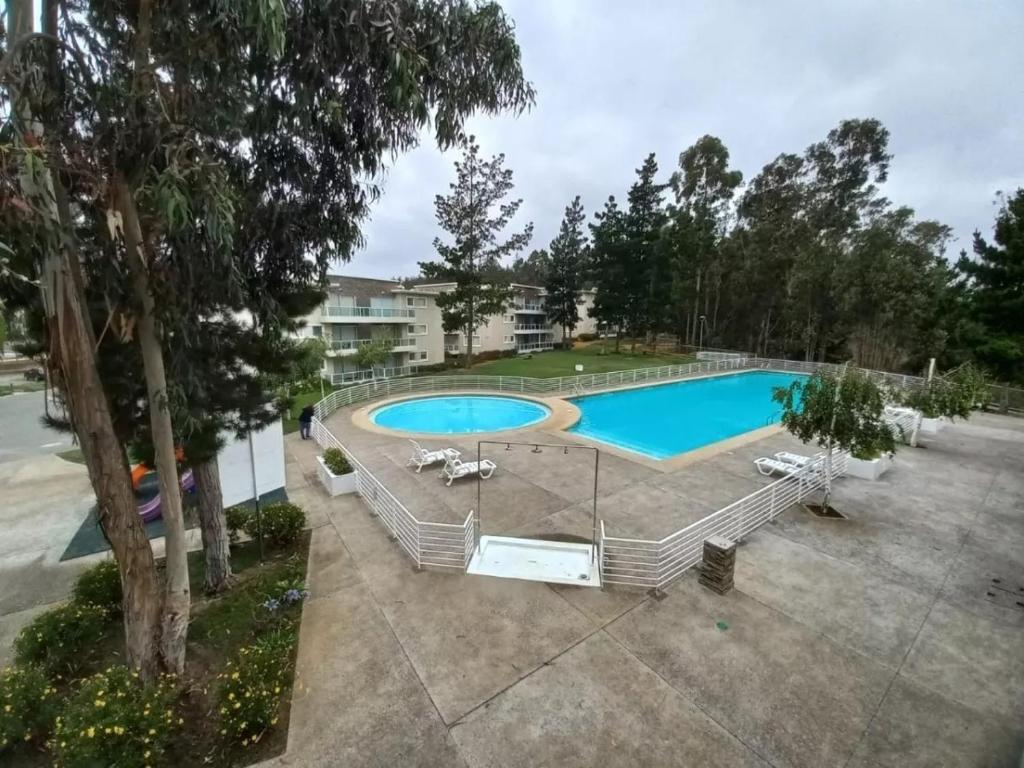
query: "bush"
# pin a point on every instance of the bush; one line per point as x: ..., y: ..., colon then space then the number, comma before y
x: 282, y: 523
x: 337, y: 462
x: 587, y: 337
x: 252, y: 686
x: 28, y: 705
x: 114, y: 719
x: 64, y: 639
x: 100, y: 585
x: 237, y: 518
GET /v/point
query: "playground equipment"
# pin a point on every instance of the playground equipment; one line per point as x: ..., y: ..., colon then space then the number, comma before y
x: 145, y: 485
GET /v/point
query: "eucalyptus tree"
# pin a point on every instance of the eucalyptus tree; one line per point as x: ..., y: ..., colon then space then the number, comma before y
x: 474, y: 214
x: 564, y: 284
x: 178, y: 126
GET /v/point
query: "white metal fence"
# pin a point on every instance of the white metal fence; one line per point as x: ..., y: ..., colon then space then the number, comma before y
x: 653, y: 564
x: 442, y: 545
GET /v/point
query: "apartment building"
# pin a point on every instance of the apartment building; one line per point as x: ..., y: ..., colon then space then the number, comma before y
x: 524, y: 327
x: 360, y: 311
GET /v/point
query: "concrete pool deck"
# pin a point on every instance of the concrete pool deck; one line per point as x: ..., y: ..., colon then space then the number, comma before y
x: 866, y: 642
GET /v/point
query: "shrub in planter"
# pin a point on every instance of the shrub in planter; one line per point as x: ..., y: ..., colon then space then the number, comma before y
x: 114, y: 719
x: 62, y: 640
x: 28, y: 706
x: 282, y: 523
x: 237, y: 517
x: 100, y: 585
x: 252, y: 686
x: 336, y: 461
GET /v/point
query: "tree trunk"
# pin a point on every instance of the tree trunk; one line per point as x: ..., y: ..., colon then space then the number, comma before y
x: 214, y: 526
x: 176, y: 600
x: 469, y: 334
x: 71, y: 361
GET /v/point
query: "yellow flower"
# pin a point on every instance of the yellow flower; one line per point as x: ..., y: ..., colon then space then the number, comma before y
x: 152, y: 731
x: 181, y: 721
x: 146, y: 754
x: 100, y: 703
x: 7, y: 708
x: 90, y: 731
x: 118, y: 730
x: 234, y: 675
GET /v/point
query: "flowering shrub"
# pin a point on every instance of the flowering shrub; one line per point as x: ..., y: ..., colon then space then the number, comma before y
x: 100, y: 585
x: 236, y: 517
x: 282, y: 523
x: 62, y: 640
x: 113, y: 719
x: 336, y: 461
x: 28, y: 705
x: 252, y: 685
x: 293, y: 592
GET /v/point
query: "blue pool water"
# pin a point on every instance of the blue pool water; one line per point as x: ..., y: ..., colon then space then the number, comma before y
x: 459, y: 414
x: 661, y: 421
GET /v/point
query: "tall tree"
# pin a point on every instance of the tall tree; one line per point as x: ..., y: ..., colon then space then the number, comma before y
x: 474, y: 214
x: 134, y: 104
x: 532, y: 270
x: 995, y: 291
x: 609, y: 266
x: 646, y: 273
x: 703, y: 187
x: 564, y: 282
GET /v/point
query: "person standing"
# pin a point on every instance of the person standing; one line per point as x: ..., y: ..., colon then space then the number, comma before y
x: 305, y: 422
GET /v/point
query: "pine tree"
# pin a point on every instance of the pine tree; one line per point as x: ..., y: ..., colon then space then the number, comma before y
x: 474, y: 214
x: 566, y: 272
x: 645, y: 270
x: 609, y: 266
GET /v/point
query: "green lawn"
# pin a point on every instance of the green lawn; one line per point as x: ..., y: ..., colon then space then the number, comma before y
x: 558, y: 362
x: 299, y: 402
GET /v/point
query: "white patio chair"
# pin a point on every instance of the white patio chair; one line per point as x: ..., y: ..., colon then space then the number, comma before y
x: 770, y: 466
x: 797, y: 459
x: 454, y: 468
x: 421, y: 457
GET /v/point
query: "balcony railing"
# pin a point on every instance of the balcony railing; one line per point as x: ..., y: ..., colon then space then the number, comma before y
x: 332, y: 311
x: 535, y: 346
x: 528, y: 327
x: 350, y: 345
x: 529, y: 306
x: 351, y: 377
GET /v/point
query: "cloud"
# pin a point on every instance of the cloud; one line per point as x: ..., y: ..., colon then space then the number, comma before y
x: 617, y: 80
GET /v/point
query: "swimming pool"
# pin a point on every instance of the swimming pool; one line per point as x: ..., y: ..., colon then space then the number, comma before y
x: 459, y: 414
x: 663, y: 420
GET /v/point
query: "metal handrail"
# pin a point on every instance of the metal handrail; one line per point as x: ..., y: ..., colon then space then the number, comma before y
x: 335, y: 311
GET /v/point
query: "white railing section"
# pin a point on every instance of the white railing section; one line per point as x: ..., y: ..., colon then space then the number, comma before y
x: 653, y: 564
x: 441, y: 545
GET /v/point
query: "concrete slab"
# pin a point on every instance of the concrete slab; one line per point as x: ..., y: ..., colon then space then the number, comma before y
x: 916, y: 728
x: 789, y: 693
x: 970, y: 659
x: 856, y: 607
x: 595, y: 705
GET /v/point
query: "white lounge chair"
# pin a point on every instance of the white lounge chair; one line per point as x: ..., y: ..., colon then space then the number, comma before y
x: 454, y: 468
x: 421, y: 457
x: 797, y: 459
x: 770, y: 466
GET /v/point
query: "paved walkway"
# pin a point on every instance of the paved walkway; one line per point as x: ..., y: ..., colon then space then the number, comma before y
x: 877, y: 641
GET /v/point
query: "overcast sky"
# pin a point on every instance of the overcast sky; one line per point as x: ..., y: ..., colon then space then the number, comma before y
x: 616, y: 80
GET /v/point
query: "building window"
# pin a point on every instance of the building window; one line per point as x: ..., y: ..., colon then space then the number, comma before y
x: 510, y: 318
x: 413, y: 301
x: 417, y: 330
x: 418, y: 355
x: 510, y: 339
x: 318, y: 330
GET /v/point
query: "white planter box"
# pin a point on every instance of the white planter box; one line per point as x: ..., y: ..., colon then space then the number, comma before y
x: 931, y: 426
x: 335, y: 484
x: 870, y: 469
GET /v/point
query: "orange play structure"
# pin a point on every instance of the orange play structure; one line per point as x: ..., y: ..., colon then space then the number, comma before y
x: 140, y: 470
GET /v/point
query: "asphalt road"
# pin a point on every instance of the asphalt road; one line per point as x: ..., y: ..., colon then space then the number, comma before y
x: 21, y: 433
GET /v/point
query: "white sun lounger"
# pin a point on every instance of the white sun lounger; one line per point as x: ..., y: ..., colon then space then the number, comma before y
x: 767, y: 466
x: 454, y: 468
x: 797, y: 459
x: 421, y: 457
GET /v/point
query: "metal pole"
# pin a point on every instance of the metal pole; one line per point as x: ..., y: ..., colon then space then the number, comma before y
x: 593, y: 551
x: 478, y: 483
x: 256, y: 496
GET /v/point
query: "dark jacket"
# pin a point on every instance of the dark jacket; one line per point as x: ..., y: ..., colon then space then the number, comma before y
x: 307, y: 415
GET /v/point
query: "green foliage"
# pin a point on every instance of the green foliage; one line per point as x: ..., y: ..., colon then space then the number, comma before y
x: 252, y: 686
x: 336, y: 461
x: 237, y: 518
x: 566, y: 270
x: 100, y: 585
x: 837, y: 411
x: 282, y: 523
x: 28, y: 706
x: 953, y: 395
x: 474, y: 215
x: 373, y: 354
x: 63, y: 639
x: 115, y: 720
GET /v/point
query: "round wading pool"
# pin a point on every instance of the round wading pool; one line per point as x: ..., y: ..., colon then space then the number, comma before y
x: 459, y: 414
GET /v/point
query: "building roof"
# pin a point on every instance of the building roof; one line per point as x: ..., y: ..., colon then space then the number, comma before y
x: 361, y: 287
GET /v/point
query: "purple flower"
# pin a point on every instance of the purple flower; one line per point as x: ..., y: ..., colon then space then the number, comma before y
x: 271, y: 604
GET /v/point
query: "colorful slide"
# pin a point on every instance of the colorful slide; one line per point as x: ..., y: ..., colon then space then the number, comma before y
x: 149, y: 509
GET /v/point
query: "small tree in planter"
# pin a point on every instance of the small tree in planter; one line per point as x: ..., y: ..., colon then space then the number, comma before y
x: 336, y: 472
x: 843, y: 411
x: 952, y: 396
